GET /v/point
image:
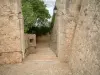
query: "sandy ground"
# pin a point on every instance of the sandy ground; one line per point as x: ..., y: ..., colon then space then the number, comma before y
x: 44, y: 62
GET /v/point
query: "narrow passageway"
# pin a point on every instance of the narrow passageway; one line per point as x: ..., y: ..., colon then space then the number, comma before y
x: 43, y: 51
x: 43, y: 62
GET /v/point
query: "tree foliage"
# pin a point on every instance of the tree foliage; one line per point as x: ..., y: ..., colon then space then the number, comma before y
x: 35, y: 16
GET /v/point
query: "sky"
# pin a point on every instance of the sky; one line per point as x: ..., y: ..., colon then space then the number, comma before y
x: 50, y: 5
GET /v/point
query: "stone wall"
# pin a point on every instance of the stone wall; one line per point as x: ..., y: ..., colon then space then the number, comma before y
x: 11, y: 32
x: 78, y: 34
x: 30, y: 43
x: 53, y: 38
x: 85, y: 54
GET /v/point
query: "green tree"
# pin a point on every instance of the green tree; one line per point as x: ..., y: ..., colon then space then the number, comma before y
x: 35, y: 16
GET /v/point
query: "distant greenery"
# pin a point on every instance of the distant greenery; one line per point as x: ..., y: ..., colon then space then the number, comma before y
x: 35, y: 17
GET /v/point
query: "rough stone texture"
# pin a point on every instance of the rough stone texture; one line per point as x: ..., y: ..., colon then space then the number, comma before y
x: 26, y: 41
x: 53, y: 38
x: 9, y: 58
x: 78, y: 35
x: 11, y: 29
x: 57, y: 36
x: 30, y: 40
x: 30, y: 43
x: 85, y: 54
x: 60, y: 32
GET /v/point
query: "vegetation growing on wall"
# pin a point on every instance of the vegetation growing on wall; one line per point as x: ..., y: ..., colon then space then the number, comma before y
x: 35, y: 17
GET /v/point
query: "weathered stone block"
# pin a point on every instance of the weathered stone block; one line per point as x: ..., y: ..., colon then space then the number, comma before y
x: 30, y: 43
x: 11, y: 57
x: 11, y: 31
